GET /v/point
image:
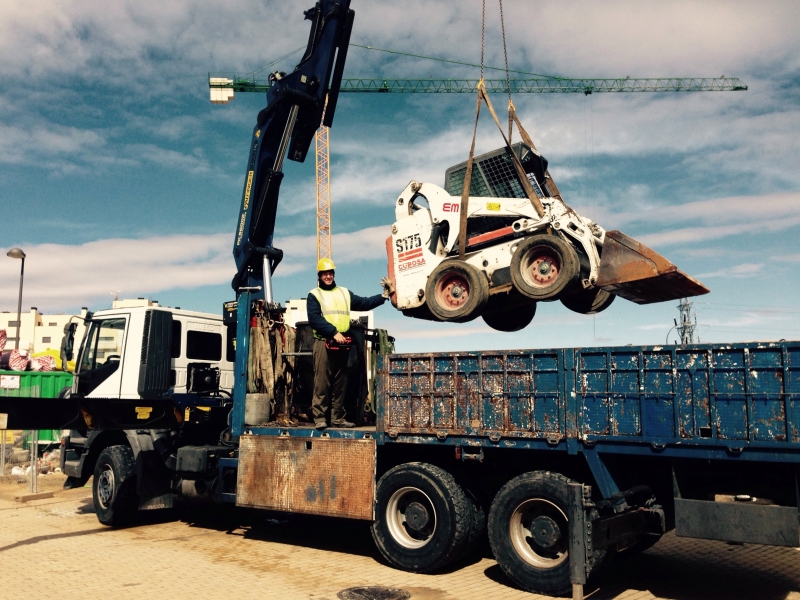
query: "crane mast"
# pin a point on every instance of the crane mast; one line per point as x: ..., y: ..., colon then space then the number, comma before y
x: 322, y: 146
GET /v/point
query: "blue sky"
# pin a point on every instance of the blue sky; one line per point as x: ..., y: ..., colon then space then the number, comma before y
x: 118, y: 174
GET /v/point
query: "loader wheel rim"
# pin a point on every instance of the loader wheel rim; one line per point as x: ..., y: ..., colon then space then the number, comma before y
x: 541, y: 267
x: 105, y: 486
x: 452, y: 291
x: 411, y: 517
x: 541, y: 549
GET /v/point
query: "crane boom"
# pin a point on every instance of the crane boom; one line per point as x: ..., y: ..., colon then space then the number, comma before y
x: 223, y: 88
x: 285, y: 127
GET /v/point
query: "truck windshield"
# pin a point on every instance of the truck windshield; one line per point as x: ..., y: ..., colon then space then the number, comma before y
x: 102, y: 352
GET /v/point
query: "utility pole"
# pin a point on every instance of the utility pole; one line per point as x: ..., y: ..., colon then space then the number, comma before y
x: 687, y: 323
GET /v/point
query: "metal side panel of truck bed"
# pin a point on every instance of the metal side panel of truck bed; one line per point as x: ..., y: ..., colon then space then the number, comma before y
x: 704, y: 400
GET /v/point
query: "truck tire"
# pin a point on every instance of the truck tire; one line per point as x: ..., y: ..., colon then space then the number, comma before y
x: 114, y: 486
x: 588, y: 302
x: 478, y: 532
x: 544, y: 267
x: 456, y: 291
x: 535, y: 563
x: 423, y: 518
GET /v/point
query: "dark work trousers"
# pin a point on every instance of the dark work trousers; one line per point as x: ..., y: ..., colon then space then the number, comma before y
x: 330, y: 382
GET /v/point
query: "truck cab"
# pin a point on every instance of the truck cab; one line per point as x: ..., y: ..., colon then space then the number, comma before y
x: 112, y: 363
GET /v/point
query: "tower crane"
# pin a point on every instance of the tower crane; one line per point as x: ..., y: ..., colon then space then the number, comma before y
x: 223, y: 88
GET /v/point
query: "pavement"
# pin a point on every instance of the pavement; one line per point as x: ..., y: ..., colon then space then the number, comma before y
x: 56, y: 548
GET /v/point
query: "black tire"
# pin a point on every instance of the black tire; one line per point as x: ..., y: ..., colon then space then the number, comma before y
x: 114, y: 486
x: 512, y: 318
x: 588, y: 302
x: 536, y: 565
x: 442, y: 517
x: 545, y: 267
x: 478, y: 532
x: 456, y: 291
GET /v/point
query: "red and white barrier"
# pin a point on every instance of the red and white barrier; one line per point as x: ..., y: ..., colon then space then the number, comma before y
x: 19, y: 360
x: 43, y: 363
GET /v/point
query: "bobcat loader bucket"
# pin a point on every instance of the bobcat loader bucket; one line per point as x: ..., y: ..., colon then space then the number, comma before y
x: 633, y: 271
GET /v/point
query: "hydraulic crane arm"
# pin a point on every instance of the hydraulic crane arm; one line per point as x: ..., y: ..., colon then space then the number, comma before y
x: 293, y: 113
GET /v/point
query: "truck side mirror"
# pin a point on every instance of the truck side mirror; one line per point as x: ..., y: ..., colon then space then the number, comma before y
x: 68, y: 344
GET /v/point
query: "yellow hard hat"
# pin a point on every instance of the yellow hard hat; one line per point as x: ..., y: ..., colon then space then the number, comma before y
x: 325, y: 264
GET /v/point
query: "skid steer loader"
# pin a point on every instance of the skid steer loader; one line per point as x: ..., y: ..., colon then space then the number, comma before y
x: 514, y: 257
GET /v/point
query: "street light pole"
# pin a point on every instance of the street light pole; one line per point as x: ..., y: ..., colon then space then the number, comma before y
x: 18, y: 253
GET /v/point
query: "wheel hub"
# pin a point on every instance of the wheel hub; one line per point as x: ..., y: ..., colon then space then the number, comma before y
x: 105, y: 487
x: 545, y: 531
x: 536, y: 530
x: 544, y: 269
x: 452, y: 292
x: 416, y: 516
x: 410, y: 517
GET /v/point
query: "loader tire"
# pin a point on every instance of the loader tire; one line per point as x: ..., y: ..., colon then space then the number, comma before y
x: 545, y: 267
x: 529, y: 532
x: 423, y: 519
x: 114, y: 486
x: 456, y: 291
x: 510, y: 319
x: 588, y: 302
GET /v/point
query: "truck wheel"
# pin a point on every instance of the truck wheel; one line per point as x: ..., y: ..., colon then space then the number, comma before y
x: 478, y: 531
x: 510, y: 319
x: 588, y: 302
x: 456, y: 291
x: 544, y: 267
x: 422, y: 519
x: 529, y: 532
x: 114, y: 486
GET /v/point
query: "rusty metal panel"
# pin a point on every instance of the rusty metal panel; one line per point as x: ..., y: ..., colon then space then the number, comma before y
x: 320, y: 476
x: 637, y: 273
x: 736, y: 395
x: 506, y: 394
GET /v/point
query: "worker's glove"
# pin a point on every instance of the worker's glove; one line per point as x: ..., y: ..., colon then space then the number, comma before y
x: 388, y: 288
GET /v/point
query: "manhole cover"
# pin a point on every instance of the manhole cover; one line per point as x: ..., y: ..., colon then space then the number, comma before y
x: 375, y: 592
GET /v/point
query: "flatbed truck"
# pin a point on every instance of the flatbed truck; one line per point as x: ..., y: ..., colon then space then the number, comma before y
x: 606, y: 448
x: 565, y: 457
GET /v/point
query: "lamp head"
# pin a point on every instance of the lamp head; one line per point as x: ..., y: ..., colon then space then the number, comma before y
x: 15, y: 253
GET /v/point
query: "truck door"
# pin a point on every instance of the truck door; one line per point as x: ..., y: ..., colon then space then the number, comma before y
x: 99, y: 370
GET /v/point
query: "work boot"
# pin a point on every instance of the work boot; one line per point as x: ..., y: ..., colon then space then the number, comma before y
x: 342, y: 424
x: 320, y: 424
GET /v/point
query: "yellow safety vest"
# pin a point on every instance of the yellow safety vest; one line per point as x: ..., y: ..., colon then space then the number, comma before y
x: 335, y: 305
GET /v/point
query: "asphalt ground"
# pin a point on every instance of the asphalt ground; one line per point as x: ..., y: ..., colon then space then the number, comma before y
x: 56, y: 548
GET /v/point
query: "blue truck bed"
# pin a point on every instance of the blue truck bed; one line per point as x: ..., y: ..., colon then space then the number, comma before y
x: 706, y: 400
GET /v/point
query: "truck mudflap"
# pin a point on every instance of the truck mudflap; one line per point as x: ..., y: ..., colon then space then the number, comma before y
x: 633, y: 271
x: 742, y: 522
x: 77, y: 412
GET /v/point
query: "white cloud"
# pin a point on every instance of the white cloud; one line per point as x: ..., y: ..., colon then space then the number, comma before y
x: 787, y: 257
x: 742, y: 271
x: 59, y: 275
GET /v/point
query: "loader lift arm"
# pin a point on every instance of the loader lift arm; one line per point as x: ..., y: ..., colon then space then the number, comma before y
x: 294, y: 110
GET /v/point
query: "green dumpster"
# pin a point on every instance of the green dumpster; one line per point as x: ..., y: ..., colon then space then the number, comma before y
x: 36, y: 384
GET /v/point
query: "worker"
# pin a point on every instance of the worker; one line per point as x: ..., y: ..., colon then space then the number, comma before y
x: 328, y: 309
